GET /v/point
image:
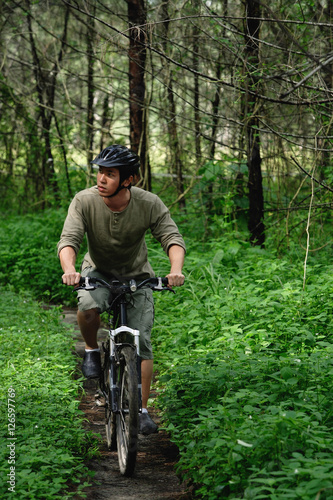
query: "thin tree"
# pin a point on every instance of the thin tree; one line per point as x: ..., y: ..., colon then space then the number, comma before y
x: 90, y: 88
x: 196, y: 92
x: 251, y: 121
x: 137, y: 19
x: 46, y: 86
x: 171, y: 115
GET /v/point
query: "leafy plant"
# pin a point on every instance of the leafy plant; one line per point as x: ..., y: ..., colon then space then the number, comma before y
x: 246, y: 364
x: 41, y: 421
x: 244, y: 356
x: 30, y: 261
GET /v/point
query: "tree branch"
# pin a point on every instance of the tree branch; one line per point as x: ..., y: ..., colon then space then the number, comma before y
x: 311, y: 176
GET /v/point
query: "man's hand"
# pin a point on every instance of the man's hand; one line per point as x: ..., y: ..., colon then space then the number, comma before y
x: 175, y: 279
x: 71, y: 278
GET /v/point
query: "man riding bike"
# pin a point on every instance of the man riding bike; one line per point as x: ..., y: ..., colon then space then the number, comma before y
x: 115, y: 218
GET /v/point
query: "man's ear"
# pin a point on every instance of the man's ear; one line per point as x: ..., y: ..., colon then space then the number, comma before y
x: 128, y: 181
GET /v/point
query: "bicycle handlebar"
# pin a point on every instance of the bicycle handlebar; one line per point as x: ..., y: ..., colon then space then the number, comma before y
x: 117, y: 287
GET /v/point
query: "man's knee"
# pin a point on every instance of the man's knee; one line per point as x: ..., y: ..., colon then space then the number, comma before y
x: 88, y: 317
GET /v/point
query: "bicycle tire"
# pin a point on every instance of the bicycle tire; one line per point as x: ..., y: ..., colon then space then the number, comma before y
x: 128, y: 416
x: 110, y: 417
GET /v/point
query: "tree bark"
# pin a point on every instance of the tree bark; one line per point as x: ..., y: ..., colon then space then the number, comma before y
x: 46, y: 85
x: 325, y: 144
x: 175, y: 148
x: 196, y: 96
x: 256, y: 198
x: 90, y: 90
x: 105, y: 122
x: 137, y: 19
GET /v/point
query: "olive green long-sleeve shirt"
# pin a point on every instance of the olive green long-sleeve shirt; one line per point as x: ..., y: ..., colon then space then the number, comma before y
x: 116, y: 240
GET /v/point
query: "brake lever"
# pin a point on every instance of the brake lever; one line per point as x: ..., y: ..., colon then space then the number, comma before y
x: 160, y: 286
x: 86, y: 285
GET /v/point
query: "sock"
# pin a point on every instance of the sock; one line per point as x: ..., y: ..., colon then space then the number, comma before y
x: 92, y: 350
x: 144, y: 410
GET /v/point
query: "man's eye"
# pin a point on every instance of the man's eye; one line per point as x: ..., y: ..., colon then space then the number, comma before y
x: 107, y: 174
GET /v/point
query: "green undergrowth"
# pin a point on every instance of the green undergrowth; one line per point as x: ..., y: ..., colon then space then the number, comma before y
x: 244, y: 355
x: 28, y: 253
x: 246, y: 366
x: 43, y: 444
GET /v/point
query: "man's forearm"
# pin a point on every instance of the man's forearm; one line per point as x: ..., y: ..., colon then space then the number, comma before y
x: 176, y: 255
x: 67, y: 258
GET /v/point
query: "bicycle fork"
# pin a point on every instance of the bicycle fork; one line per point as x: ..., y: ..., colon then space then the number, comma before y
x: 115, y: 362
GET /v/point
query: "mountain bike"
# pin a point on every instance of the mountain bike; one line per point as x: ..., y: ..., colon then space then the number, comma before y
x: 120, y: 381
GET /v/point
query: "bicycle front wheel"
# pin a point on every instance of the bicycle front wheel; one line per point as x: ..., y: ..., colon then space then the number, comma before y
x: 128, y: 416
x: 110, y: 417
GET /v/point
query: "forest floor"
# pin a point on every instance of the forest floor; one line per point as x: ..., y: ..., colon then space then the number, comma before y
x: 154, y: 477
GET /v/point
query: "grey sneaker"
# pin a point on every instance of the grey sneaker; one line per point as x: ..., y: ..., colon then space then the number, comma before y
x: 146, y: 424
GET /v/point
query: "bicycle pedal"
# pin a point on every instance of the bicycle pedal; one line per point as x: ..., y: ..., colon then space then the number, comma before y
x: 99, y: 399
x: 100, y: 402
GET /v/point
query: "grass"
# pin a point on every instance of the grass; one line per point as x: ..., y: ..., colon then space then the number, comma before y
x: 30, y: 262
x: 245, y: 357
x: 40, y: 416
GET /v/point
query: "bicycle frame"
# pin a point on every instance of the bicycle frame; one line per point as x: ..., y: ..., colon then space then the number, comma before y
x: 120, y: 381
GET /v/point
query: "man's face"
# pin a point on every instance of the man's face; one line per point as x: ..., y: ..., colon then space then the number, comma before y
x: 107, y: 181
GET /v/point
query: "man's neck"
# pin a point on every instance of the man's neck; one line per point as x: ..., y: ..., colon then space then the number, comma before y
x: 119, y: 202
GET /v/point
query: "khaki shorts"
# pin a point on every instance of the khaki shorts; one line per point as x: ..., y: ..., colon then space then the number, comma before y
x: 140, y: 311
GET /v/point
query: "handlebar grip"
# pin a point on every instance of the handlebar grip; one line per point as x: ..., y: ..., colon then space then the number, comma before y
x: 92, y: 280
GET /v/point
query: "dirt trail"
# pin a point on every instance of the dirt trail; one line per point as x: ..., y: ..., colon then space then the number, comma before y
x: 154, y: 477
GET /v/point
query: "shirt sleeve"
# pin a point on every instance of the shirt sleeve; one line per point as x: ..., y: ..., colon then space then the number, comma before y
x: 163, y: 227
x: 74, y: 227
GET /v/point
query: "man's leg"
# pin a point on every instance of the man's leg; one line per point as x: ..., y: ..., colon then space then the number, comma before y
x: 89, y: 322
x: 140, y: 315
x: 146, y: 424
x: 146, y: 376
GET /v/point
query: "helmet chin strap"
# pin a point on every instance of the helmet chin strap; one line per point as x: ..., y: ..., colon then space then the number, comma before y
x: 119, y: 188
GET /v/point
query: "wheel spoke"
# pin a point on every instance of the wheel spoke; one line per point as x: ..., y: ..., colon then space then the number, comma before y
x: 110, y: 420
x: 127, y: 419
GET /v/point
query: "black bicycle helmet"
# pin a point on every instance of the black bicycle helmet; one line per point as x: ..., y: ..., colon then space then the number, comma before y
x: 120, y: 157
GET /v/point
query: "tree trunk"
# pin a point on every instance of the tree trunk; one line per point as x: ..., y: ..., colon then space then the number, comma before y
x: 215, y: 110
x: 171, y: 116
x: 256, y: 198
x: 196, y: 100
x: 105, y: 122
x: 325, y: 144
x: 63, y: 150
x: 90, y: 91
x: 46, y: 85
x: 137, y: 19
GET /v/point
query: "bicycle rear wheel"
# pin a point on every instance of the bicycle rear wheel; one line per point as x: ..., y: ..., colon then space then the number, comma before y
x: 128, y: 416
x: 110, y: 417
